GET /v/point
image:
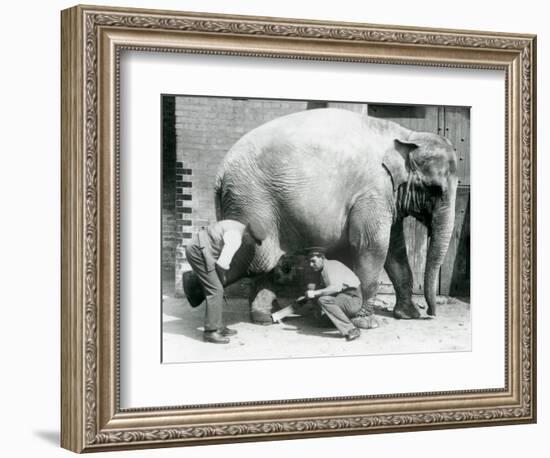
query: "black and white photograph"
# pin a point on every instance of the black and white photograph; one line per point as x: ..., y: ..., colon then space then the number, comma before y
x: 313, y: 228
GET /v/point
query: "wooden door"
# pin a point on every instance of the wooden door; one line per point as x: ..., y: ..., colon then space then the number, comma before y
x: 455, y: 271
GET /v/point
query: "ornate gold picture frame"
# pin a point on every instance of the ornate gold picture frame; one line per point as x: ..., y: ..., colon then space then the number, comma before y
x: 93, y: 39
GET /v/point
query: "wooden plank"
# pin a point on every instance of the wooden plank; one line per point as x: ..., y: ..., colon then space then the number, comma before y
x: 455, y: 270
x: 440, y: 121
x: 421, y: 118
x: 460, y: 280
x: 457, y: 130
x: 356, y: 107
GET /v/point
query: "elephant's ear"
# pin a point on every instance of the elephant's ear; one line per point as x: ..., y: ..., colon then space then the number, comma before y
x: 396, y: 161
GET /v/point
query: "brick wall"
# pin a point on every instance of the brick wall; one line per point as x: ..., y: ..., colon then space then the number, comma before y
x: 205, y: 129
x: 169, y: 229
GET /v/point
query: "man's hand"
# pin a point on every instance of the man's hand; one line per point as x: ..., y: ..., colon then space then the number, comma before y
x: 310, y: 294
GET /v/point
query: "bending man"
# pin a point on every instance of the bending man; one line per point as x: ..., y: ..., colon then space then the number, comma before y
x: 210, y: 253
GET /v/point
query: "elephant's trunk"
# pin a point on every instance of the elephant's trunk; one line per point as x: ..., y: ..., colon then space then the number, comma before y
x: 443, y: 218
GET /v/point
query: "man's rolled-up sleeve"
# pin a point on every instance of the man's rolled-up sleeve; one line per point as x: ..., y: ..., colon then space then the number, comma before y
x: 231, y: 242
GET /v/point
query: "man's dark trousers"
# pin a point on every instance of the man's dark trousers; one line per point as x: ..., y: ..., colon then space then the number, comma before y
x: 342, y: 307
x: 213, y: 288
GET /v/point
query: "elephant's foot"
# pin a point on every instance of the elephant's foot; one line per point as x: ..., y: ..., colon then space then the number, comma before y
x: 440, y: 300
x: 406, y: 311
x: 365, y: 319
x: 262, y: 306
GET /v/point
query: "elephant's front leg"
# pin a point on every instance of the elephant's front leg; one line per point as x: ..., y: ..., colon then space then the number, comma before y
x: 398, y: 269
x: 369, y: 262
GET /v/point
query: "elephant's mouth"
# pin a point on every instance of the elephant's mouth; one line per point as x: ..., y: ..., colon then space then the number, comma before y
x: 415, y: 198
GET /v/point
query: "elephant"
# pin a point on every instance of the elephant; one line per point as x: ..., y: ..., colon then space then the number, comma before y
x: 344, y: 181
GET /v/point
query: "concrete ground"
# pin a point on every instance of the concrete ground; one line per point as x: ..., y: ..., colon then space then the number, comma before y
x: 302, y: 337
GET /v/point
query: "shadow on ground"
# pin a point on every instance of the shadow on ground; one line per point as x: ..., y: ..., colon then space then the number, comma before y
x: 180, y: 318
x: 301, y: 337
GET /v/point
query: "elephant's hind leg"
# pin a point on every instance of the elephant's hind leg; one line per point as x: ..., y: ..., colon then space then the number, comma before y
x: 398, y: 269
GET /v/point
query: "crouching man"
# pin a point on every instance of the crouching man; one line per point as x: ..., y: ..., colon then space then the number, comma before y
x: 210, y: 253
x: 341, y: 299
